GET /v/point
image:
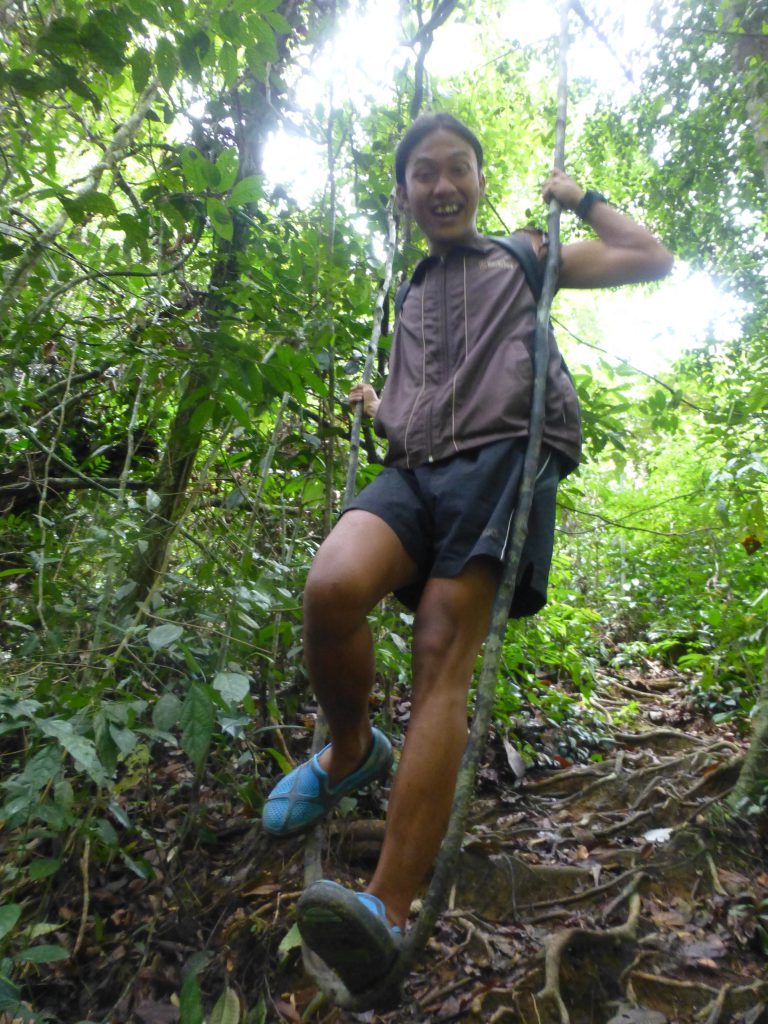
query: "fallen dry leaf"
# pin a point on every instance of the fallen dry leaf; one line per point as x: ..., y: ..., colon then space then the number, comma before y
x: 710, y: 948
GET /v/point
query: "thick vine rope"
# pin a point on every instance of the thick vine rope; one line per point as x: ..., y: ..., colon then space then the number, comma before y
x: 386, y: 992
x: 373, y: 345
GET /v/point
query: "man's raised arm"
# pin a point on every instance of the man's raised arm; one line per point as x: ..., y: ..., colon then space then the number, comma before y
x: 624, y: 251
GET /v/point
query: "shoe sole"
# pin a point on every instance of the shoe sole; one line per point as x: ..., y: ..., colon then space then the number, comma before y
x: 349, y: 938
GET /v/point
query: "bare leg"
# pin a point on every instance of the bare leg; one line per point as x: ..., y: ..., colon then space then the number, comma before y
x: 359, y: 562
x: 451, y: 624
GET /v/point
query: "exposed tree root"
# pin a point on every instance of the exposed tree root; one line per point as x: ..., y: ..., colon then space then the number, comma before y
x: 659, y: 739
x: 607, y: 953
x: 680, y: 1000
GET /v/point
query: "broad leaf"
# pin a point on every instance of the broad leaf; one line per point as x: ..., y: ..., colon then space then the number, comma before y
x: 197, y: 720
x: 80, y: 748
x: 167, y: 712
x: 165, y: 635
x: 226, y: 165
x: 43, y: 868
x: 247, y: 190
x: 193, y: 164
x: 42, y: 954
x: 141, y: 68
x: 221, y: 218
x: 227, y: 1009
x: 166, y: 62
x: 233, y: 686
x: 291, y: 940
x: 9, y: 915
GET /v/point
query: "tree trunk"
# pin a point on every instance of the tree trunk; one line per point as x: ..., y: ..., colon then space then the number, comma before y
x: 749, y: 46
x: 253, y: 116
x: 149, y: 559
x: 752, y: 785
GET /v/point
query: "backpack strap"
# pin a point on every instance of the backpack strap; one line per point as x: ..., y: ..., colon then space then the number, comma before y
x: 525, y: 256
x: 400, y: 295
x: 534, y: 274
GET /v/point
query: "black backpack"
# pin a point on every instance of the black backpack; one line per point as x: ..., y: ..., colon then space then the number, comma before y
x: 523, y: 253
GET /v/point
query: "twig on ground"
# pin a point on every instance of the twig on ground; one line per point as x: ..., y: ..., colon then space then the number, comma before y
x: 84, y: 865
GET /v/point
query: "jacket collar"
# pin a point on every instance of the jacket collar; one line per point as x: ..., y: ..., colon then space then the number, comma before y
x: 481, y: 246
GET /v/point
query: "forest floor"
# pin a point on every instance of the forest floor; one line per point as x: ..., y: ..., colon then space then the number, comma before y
x: 597, y: 893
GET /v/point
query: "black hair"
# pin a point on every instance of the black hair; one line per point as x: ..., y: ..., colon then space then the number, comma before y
x: 425, y: 125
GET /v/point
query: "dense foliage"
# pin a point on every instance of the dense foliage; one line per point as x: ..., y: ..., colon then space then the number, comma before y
x: 178, y: 338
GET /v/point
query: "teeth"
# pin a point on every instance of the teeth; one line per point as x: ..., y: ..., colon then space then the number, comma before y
x: 447, y: 210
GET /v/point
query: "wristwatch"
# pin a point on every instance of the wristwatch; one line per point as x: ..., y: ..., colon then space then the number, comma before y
x: 587, y: 201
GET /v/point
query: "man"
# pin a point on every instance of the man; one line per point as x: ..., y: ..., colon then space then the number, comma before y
x: 434, y: 525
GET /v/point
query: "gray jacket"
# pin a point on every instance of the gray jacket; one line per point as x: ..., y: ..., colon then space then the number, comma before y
x: 461, y: 368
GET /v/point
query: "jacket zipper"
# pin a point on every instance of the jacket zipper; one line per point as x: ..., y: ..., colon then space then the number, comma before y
x: 423, y: 376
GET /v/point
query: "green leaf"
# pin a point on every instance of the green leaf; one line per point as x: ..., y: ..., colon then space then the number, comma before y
x: 105, y: 833
x: 141, y: 68
x: 197, y: 721
x: 291, y: 940
x: 190, y: 1001
x: 10, y: 997
x: 9, y: 251
x: 139, y: 866
x: 80, y: 748
x: 103, y: 47
x: 124, y: 739
x: 193, y: 165
x: 201, y: 415
x: 148, y: 11
x: 221, y: 218
x: 28, y: 83
x: 235, y: 409
x: 247, y: 190
x: 166, y: 712
x: 9, y: 915
x: 280, y: 24
x: 44, y: 867
x: 227, y: 166
x: 92, y: 204
x: 257, y: 62
x: 192, y: 50
x: 42, y: 954
x: 231, y: 25
x: 227, y: 1009
x: 228, y: 64
x: 233, y: 686
x: 163, y: 636
x: 282, y: 761
x: 61, y: 35
x: 166, y: 62
x: 42, y: 928
x: 68, y: 78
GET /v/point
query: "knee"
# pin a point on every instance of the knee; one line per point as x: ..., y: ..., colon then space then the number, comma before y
x: 441, y: 648
x: 333, y: 602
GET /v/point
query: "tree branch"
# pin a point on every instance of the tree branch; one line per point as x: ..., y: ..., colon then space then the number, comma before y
x: 114, y: 152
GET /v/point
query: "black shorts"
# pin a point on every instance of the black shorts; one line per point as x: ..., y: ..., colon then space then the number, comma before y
x: 446, y: 513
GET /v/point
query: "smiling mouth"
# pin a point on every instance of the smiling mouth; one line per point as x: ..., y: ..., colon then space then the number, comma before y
x: 446, y: 209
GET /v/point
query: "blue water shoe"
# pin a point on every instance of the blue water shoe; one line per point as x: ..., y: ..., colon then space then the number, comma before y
x: 304, y: 796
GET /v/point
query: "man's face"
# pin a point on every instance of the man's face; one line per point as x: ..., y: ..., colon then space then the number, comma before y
x: 442, y: 189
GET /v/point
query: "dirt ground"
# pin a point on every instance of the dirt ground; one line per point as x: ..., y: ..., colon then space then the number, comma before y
x: 608, y: 892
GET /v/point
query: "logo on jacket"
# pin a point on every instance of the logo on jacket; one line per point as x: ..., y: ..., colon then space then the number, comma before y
x: 489, y: 262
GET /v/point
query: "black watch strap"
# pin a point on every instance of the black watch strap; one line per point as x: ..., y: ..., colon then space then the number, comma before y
x: 587, y: 201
